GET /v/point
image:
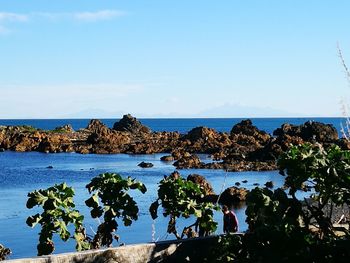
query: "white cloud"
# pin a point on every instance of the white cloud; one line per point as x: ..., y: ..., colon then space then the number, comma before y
x: 81, y: 16
x: 13, y: 17
x: 97, y: 16
x: 7, y: 17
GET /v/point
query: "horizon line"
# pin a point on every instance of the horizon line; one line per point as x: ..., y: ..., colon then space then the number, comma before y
x: 245, y: 117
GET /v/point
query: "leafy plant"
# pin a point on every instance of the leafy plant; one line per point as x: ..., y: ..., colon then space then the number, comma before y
x: 4, y: 252
x: 326, y: 171
x: 183, y: 198
x: 57, y: 203
x: 111, y: 190
x: 285, y: 228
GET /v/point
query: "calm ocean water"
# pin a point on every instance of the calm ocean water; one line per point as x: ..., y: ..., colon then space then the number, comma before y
x: 181, y: 125
x: 21, y: 173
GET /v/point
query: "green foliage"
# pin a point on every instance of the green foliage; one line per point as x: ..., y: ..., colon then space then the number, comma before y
x: 4, y: 252
x: 111, y: 190
x: 283, y: 228
x: 57, y: 203
x: 227, y: 249
x: 28, y: 128
x: 183, y: 198
x: 328, y: 171
x: 276, y: 227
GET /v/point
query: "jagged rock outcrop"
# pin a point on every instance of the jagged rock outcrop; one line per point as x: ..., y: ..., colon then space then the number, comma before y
x: 247, y: 128
x: 104, y: 140
x: 130, y: 124
x: 244, y: 148
x: 188, y: 161
x: 288, y: 135
x: 240, y: 166
x: 233, y: 195
x: 55, y: 143
x: 201, y: 133
x: 97, y: 127
x: 204, y: 140
x: 202, y: 182
x: 167, y: 158
x: 310, y: 131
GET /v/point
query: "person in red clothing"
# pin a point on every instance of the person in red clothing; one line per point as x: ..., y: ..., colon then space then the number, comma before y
x: 230, y: 220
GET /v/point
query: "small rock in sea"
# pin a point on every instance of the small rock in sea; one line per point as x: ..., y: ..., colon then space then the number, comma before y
x: 145, y: 165
x: 233, y: 195
x: 269, y: 184
x: 256, y: 184
x: 2, y: 150
x: 245, y: 181
x: 92, y: 169
x: 167, y: 158
x: 237, y: 183
x: 50, y: 167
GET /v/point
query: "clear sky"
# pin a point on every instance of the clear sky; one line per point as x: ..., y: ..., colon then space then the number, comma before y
x: 183, y: 58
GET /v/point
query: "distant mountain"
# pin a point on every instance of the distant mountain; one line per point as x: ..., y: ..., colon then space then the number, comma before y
x: 224, y: 111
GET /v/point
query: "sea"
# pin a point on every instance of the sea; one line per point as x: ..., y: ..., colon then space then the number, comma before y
x: 21, y: 173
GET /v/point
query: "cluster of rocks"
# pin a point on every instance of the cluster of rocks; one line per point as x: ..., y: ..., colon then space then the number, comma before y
x: 230, y: 196
x: 244, y: 148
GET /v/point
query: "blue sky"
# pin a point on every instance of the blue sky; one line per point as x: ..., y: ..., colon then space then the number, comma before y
x: 180, y: 58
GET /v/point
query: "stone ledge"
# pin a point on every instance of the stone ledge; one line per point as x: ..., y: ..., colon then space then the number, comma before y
x: 193, y: 250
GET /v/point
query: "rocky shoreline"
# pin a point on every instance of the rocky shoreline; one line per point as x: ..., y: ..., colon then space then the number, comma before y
x: 245, y: 148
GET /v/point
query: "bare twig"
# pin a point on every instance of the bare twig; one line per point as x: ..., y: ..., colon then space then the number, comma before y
x: 344, y: 107
x: 345, y: 67
x: 222, y: 187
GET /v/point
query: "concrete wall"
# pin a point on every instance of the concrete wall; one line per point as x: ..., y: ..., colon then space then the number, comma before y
x: 194, y: 250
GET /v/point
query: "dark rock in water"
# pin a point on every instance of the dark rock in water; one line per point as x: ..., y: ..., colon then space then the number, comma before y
x: 247, y: 128
x: 310, y: 131
x: 83, y: 151
x: 130, y: 124
x: 179, y: 153
x: 55, y: 142
x: 145, y: 165
x: 167, y: 158
x: 240, y: 166
x: 245, y: 181
x: 233, y: 195
x: 286, y: 128
x: 256, y: 184
x: 50, y: 167
x: 201, y: 133
x: 191, y: 161
x: 237, y: 183
x: 2, y: 149
x: 96, y: 126
x: 269, y: 184
x: 244, y: 127
x: 319, y: 132
x: 201, y: 181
